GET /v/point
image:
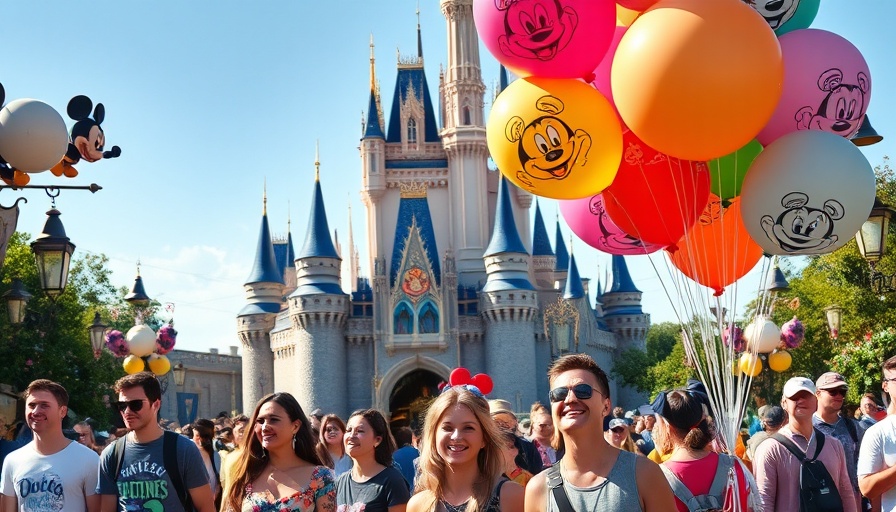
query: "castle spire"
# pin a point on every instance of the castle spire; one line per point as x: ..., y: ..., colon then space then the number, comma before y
x: 317, y: 160
x: 318, y: 242
x: 541, y: 244
x: 374, y: 124
x: 419, y: 35
x: 622, y: 280
x: 574, y: 288
x: 505, y: 237
x: 562, y: 254
x: 264, y: 268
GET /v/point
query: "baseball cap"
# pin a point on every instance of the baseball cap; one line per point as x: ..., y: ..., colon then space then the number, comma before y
x: 797, y: 384
x: 498, y: 406
x: 773, y: 416
x: 831, y: 380
x: 617, y: 422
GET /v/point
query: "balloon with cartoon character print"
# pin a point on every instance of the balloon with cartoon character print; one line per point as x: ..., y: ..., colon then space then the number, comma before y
x: 588, y: 219
x: 827, y: 86
x: 784, y: 16
x: 556, y: 138
x: 548, y: 38
x: 32, y: 138
x: 88, y: 140
x: 808, y: 192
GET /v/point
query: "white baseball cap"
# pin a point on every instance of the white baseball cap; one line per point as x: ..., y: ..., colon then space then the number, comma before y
x: 797, y: 384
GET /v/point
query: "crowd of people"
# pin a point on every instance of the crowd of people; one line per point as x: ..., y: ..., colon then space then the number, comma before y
x: 575, y: 453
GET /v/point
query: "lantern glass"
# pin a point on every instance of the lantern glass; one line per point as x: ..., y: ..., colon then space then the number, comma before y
x: 53, y: 251
x: 833, y: 314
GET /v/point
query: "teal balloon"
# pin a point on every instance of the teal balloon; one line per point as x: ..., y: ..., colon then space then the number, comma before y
x: 727, y: 173
x: 787, y: 15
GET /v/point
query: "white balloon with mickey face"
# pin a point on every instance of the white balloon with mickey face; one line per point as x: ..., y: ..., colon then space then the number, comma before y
x: 808, y: 192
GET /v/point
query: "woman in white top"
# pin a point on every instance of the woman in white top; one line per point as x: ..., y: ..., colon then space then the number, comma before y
x: 332, y: 430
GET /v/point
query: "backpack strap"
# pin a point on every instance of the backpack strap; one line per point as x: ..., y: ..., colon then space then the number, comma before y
x: 720, y: 481
x: 794, y: 449
x: 118, y: 456
x: 678, y: 488
x: 555, y: 484
x: 169, y: 459
x: 851, y: 428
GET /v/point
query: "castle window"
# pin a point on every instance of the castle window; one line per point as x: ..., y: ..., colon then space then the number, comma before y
x: 403, y: 319
x: 467, y: 119
x: 412, y: 131
x: 429, y: 319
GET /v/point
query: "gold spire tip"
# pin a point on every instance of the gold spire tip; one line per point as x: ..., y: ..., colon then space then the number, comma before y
x: 264, y: 197
x: 317, y: 161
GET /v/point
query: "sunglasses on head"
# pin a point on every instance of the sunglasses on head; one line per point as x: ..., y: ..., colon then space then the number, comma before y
x: 133, y: 405
x: 836, y: 392
x: 225, y: 430
x: 581, y: 391
x: 467, y: 387
x: 618, y: 430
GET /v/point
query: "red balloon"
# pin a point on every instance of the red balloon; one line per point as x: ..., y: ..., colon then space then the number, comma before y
x: 459, y: 376
x: 656, y: 197
x: 483, y: 382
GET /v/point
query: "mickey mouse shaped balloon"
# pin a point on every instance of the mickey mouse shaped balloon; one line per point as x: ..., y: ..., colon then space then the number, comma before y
x: 87, y: 137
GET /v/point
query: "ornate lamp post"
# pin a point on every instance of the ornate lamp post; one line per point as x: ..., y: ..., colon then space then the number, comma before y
x: 872, y: 242
x: 180, y: 373
x: 97, y: 332
x: 16, y: 300
x: 833, y: 314
x: 53, y: 252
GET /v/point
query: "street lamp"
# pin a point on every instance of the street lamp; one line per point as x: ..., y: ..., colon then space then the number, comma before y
x: 53, y: 252
x: 866, y: 135
x: 180, y: 373
x: 872, y: 242
x: 97, y: 332
x: 16, y: 300
x: 833, y: 314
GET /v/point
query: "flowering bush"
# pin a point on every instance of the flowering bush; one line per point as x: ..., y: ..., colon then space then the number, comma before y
x: 860, y: 361
x: 792, y: 333
x: 165, y: 339
x: 737, y: 334
x: 116, y: 344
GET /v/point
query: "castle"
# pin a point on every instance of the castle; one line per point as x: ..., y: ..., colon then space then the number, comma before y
x: 453, y: 282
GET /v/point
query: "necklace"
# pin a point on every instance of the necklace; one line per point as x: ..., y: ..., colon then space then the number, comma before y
x: 452, y: 508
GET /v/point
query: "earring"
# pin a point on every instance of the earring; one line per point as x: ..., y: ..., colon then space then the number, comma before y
x: 264, y: 453
x: 294, y: 441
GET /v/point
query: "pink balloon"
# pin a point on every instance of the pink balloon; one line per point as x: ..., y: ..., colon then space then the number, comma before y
x: 601, y: 80
x: 827, y: 86
x: 546, y: 38
x: 588, y: 219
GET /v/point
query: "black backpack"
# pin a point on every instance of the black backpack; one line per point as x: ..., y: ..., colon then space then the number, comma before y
x: 169, y: 461
x: 818, y: 492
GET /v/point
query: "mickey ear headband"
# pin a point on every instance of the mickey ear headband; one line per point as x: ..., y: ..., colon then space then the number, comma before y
x: 480, y: 383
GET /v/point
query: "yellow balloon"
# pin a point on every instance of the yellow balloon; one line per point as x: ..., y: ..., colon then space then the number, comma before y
x: 625, y: 17
x: 750, y: 364
x: 133, y: 364
x: 159, y: 364
x: 556, y: 138
x: 780, y: 360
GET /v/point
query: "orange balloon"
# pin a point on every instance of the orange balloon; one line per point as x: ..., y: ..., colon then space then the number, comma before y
x: 717, y: 251
x: 697, y: 79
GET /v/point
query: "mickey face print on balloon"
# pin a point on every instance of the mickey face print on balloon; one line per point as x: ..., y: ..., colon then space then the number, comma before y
x: 842, y: 109
x: 536, y: 29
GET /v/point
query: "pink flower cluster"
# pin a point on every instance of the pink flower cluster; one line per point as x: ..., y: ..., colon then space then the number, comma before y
x: 165, y: 339
x: 792, y: 333
x: 737, y: 334
x: 116, y: 344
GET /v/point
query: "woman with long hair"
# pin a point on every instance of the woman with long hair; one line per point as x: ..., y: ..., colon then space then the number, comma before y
x: 278, y: 468
x: 203, y: 437
x: 461, y: 463
x: 86, y: 436
x: 332, y: 430
x: 619, y: 435
x: 373, y: 484
x: 684, y: 430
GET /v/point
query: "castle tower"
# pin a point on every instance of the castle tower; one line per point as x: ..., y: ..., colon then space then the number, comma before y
x: 285, y: 255
x: 543, y: 259
x: 625, y: 318
x: 264, y: 298
x: 463, y: 137
x: 318, y: 309
x: 373, y: 167
x: 561, y: 265
x: 508, y: 305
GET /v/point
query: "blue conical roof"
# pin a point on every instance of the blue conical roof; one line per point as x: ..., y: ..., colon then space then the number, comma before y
x: 562, y: 255
x: 502, y: 79
x: 541, y: 244
x: 318, y: 243
x: 574, y: 289
x: 290, y: 252
x: 372, y: 128
x: 622, y: 280
x: 505, y: 237
x: 264, y: 269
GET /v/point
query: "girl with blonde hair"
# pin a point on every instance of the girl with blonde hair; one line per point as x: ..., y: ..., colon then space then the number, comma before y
x: 460, y: 460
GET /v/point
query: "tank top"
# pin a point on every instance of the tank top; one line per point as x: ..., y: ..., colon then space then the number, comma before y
x: 493, y: 505
x: 618, y: 493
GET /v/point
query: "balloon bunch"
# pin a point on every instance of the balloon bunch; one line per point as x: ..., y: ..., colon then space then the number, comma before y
x: 710, y: 129
x: 762, y: 336
x: 461, y: 376
x: 142, y: 348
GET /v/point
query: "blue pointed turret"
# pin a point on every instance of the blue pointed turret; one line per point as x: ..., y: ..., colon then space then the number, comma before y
x: 505, y: 237
x: 318, y: 243
x: 562, y: 255
x: 502, y: 79
x: 373, y: 128
x: 264, y: 268
x: 541, y: 244
x: 574, y: 289
x: 290, y: 252
x: 622, y: 280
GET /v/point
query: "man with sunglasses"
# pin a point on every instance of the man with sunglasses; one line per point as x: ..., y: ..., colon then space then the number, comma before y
x: 831, y: 391
x: 51, y: 472
x: 877, y: 457
x: 592, y: 475
x: 149, y: 467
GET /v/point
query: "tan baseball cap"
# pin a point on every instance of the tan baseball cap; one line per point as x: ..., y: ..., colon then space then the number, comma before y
x: 831, y: 380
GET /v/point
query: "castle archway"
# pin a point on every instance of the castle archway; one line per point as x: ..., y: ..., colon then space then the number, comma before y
x: 407, y: 388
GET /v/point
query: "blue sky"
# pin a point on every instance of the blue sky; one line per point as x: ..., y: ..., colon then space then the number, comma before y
x: 209, y: 99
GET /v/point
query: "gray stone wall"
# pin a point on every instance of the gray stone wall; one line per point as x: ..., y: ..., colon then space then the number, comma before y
x: 510, y: 361
x: 215, y: 378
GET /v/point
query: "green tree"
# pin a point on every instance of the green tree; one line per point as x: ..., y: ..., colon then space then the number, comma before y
x: 661, y: 366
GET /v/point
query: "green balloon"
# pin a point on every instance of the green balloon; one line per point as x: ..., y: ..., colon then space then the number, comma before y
x: 727, y: 173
